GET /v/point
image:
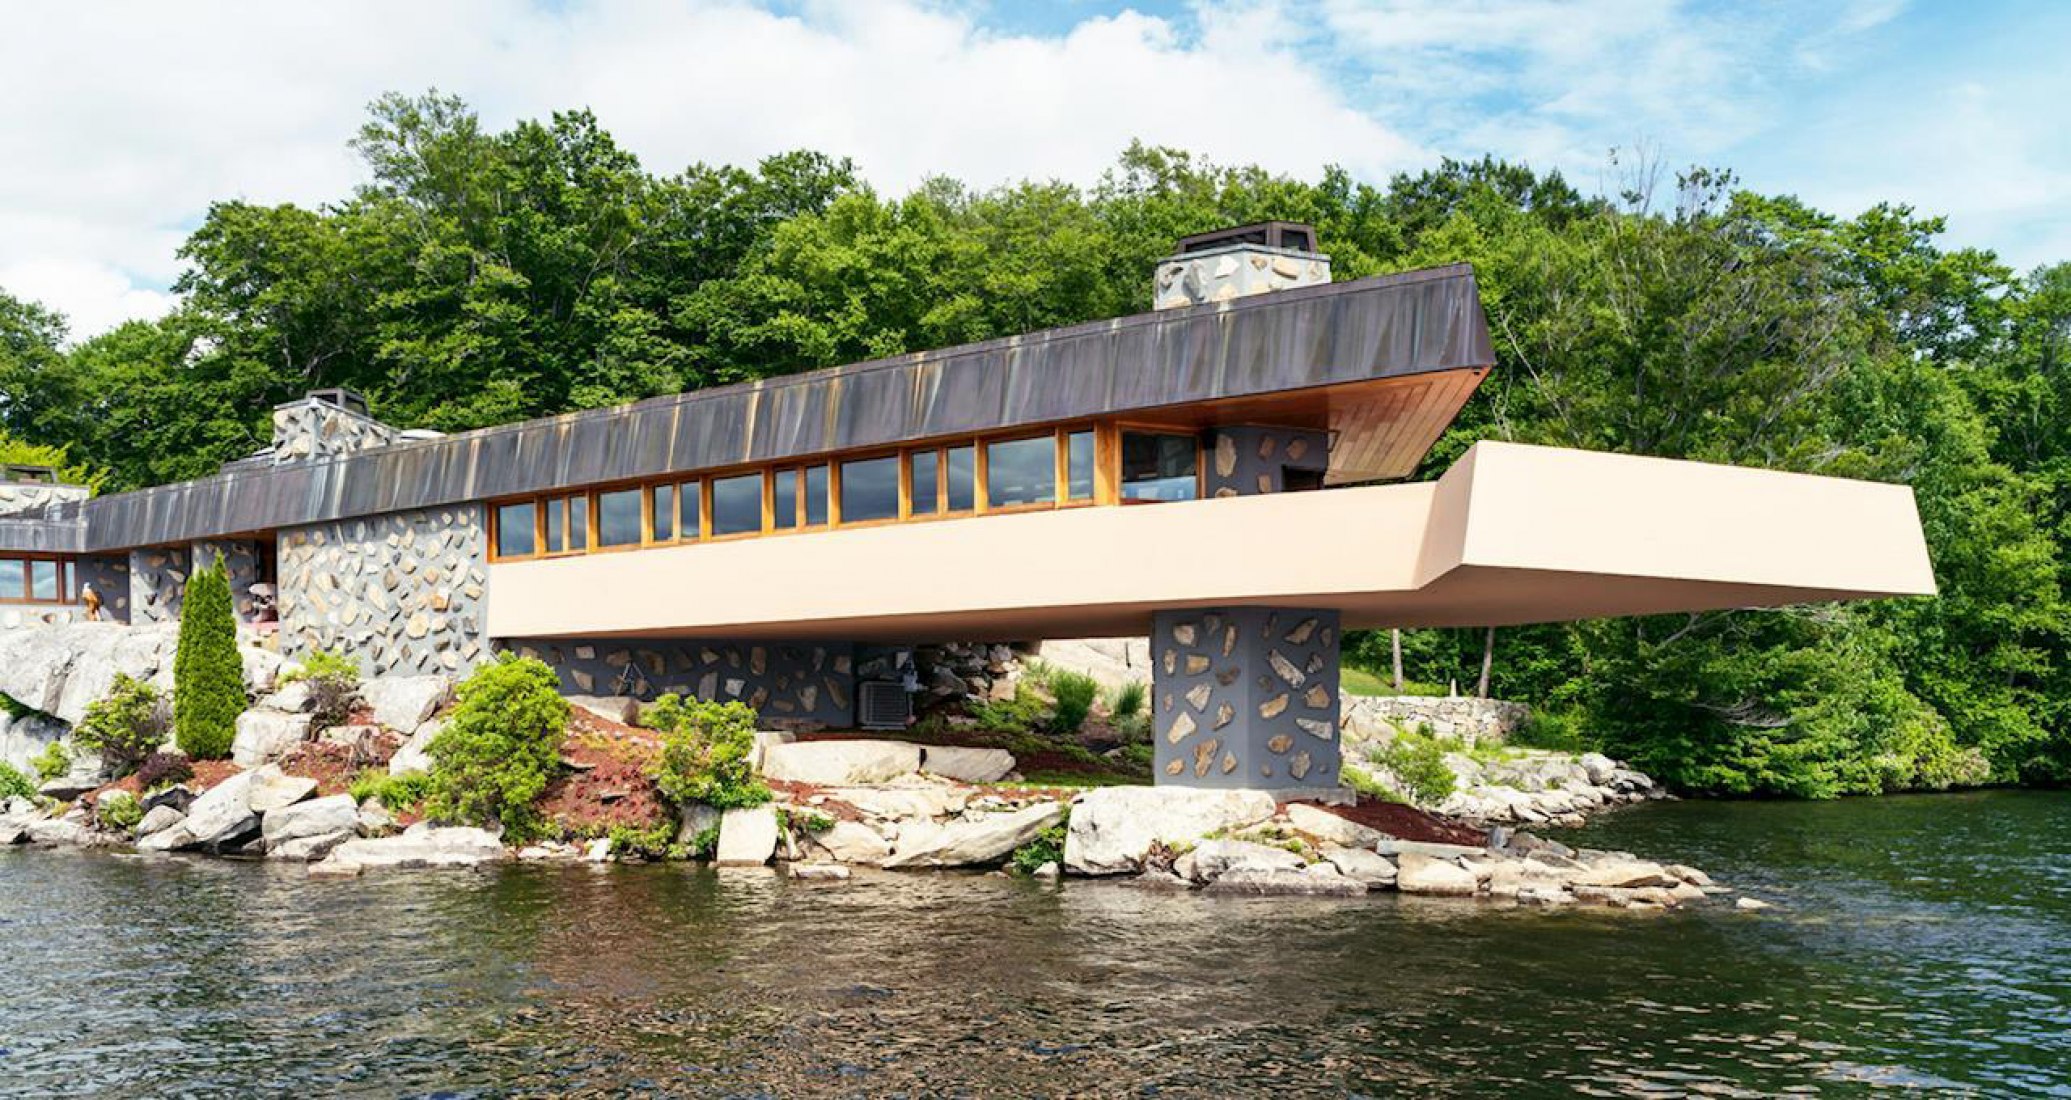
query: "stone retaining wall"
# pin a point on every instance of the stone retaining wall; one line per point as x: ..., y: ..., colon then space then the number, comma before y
x: 785, y: 682
x: 402, y: 593
x: 1469, y: 719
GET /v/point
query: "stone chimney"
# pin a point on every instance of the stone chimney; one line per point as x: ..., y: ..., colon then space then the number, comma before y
x: 324, y: 424
x: 1231, y: 263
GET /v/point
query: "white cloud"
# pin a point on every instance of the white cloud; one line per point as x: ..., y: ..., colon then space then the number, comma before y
x: 126, y: 119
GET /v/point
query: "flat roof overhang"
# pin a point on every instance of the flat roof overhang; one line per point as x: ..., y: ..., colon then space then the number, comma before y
x: 1511, y: 534
x: 1423, y: 330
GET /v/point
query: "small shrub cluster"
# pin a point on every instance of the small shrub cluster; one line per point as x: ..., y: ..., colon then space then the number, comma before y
x: 1561, y: 730
x: 1362, y: 781
x: 707, y: 751
x: 118, y: 811
x: 1074, y: 693
x: 124, y: 727
x: 208, y: 674
x: 703, y: 845
x: 397, y: 792
x: 1416, y: 760
x: 657, y: 842
x: 500, y: 747
x: 1129, y: 713
x: 1047, y: 847
x: 163, y: 769
x: 13, y: 784
x: 1024, y: 712
x: 334, y: 686
x: 53, y: 762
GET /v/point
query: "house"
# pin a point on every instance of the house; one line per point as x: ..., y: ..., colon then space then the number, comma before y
x: 1222, y: 474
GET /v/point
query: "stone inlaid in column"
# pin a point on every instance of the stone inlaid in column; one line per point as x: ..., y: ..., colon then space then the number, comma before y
x: 1246, y: 697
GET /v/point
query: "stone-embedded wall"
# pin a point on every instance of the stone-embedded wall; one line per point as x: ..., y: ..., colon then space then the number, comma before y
x: 1246, y: 697
x: 1247, y: 459
x: 786, y: 682
x: 19, y: 496
x: 158, y: 583
x: 309, y: 429
x: 403, y: 593
x: 1218, y: 275
x: 241, y: 563
x: 1474, y: 721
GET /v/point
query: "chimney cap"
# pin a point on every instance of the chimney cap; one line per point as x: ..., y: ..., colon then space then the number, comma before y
x: 340, y: 397
x: 1295, y: 236
x: 24, y: 473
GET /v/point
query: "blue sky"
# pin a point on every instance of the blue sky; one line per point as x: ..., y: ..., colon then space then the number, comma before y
x: 132, y: 115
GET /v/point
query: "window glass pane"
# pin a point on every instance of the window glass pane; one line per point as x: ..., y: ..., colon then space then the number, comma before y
x: 786, y: 499
x: 662, y: 514
x: 578, y: 522
x: 514, y: 534
x: 927, y: 497
x: 43, y: 580
x: 1021, y: 471
x: 11, y: 577
x: 870, y: 489
x: 1157, y: 466
x: 963, y: 478
x: 815, y: 496
x: 689, y: 509
x: 1079, y: 465
x: 557, y: 525
x: 618, y: 517
x: 737, y: 504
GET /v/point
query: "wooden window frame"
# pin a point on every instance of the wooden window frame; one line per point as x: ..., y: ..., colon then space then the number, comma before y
x: 901, y: 472
x: 1123, y: 427
x: 68, y: 587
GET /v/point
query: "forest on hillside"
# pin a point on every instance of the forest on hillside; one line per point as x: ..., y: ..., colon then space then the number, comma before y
x: 482, y: 277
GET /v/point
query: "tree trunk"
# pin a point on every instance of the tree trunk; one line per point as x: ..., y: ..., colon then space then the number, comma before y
x: 1488, y: 661
x: 1395, y: 638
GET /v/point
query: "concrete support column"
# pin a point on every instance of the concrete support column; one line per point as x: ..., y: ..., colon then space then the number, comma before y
x: 1245, y: 697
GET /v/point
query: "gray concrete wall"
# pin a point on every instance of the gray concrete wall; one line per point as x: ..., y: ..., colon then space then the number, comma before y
x: 797, y: 682
x: 1246, y: 459
x: 403, y: 593
x: 1245, y: 697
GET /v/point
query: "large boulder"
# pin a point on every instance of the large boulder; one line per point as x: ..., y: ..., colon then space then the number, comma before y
x: 623, y: 709
x: 1114, y: 828
x: 1320, y: 881
x: 405, y: 702
x: 317, y: 817
x: 1361, y: 865
x: 158, y: 819
x: 747, y: 837
x: 1421, y: 874
x: 928, y: 800
x: 851, y: 842
x: 840, y: 763
x: 62, y: 669
x: 975, y: 840
x: 415, y: 754
x: 1330, y: 828
x: 27, y: 737
x: 421, y: 845
x: 221, y: 817
x: 967, y: 765
x: 264, y: 735
x: 272, y: 790
x: 1212, y: 859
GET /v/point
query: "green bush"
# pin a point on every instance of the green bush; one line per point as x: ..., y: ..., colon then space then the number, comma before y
x: 397, y: 792
x: 14, y: 708
x: 658, y: 842
x: 1074, y: 692
x: 1020, y: 714
x: 1362, y: 781
x: 13, y: 784
x: 1561, y: 730
x: 703, y: 845
x: 707, y: 751
x: 208, y: 675
x: 118, y: 811
x: 334, y: 686
x: 1417, y: 761
x: 163, y: 769
x: 125, y: 726
x: 1128, y: 700
x: 499, y: 748
x: 53, y: 762
x: 1047, y: 847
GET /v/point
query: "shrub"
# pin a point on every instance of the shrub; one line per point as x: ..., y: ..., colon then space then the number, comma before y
x: 14, y: 708
x: 1128, y: 700
x: 397, y: 792
x: 163, y: 769
x: 118, y: 811
x: 208, y: 675
x: 13, y: 784
x: 53, y: 762
x: 1418, y: 764
x: 707, y: 751
x: 1074, y: 692
x: 703, y: 845
x: 334, y: 686
x: 1360, y: 780
x: 1047, y: 847
x: 657, y: 842
x: 125, y: 726
x: 1549, y: 729
x: 500, y: 747
x: 1024, y: 712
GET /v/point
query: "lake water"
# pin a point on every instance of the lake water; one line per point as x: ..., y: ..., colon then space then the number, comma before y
x: 1924, y: 943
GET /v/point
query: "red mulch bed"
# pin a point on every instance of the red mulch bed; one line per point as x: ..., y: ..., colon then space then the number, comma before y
x: 609, y: 784
x: 1407, y: 822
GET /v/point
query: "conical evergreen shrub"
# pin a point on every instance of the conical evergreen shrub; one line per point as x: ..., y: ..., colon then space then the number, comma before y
x: 208, y: 675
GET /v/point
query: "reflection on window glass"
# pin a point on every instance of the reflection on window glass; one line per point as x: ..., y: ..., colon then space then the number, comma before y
x: 925, y: 493
x: 618, y: 518
x: 1157, y: 466
x: 1078, y: 466
x: 43, y: 580
x: 514, y: 535
x: 662, y: 512
x: 816, y: 496
x: 11, y: 578
x: 557, y: 526
x: 787, y: 499
x: 870, y: 489
x: 963, y: 478
x: 1021, y: 471
x: 689, y: 510
x: 737, y: 504
x: 578, y: 523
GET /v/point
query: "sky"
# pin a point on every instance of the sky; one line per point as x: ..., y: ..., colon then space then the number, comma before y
x: 121, y: 120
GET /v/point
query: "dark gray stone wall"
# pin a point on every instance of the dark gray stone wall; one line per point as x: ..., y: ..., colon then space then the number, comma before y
x: 240, y: 563
x: 403, y: 593
x: 158, y: 583
x: 784, y: 681
x: 1247, y: 459
x: 110, y: 579
x: 308, y: 429
x: 1245, y: 697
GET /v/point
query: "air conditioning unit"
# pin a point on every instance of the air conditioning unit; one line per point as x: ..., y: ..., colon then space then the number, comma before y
x: 883, y: 705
